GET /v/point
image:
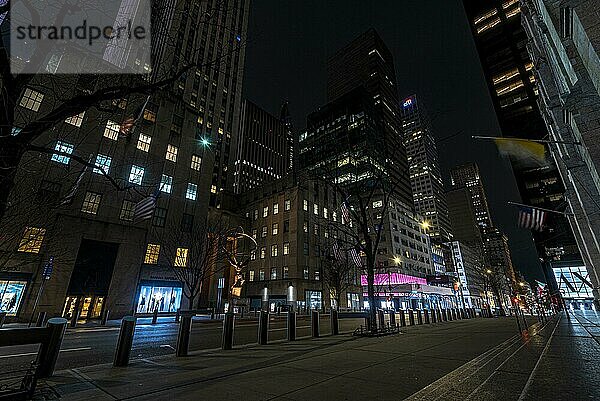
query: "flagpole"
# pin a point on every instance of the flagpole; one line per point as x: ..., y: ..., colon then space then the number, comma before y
x: 540, y: 208
x: 548, y: 141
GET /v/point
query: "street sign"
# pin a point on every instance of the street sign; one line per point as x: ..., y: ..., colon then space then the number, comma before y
x: 48, y: 268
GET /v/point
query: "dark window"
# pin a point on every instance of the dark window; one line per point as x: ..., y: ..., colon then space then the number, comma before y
x: 187, y: 222
x: 286, y: 226
x: 160, y: 217
x: 49, y: 191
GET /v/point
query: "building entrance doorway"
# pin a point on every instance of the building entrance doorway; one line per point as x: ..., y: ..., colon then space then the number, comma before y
x: 90, y: 307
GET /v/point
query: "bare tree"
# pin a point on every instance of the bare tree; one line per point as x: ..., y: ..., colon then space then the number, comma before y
x: 70, y: 95
x: 194, y: 253
x: 339, y: 270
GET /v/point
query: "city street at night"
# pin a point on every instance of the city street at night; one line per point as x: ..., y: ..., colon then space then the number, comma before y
x: 300, y: 200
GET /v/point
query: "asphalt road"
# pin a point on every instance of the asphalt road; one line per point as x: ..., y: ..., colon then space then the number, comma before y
x: 84, y: 346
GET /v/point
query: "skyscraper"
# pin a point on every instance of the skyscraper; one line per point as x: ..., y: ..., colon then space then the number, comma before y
x: 178, y: 151
x: 467, y: 176
x: 502, y: 47
x: 263, y: 148
x: 425, y: 177
x: 367, y: 62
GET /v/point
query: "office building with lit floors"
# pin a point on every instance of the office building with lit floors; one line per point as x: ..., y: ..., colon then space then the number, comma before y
x: 73, y: 225
x: 469, y: 271
x: 564, y: 44
x: 512, y: 74
x: 467, y: 176
x: 425, y: 176
x: 264, y: 150
x: 295, y: 225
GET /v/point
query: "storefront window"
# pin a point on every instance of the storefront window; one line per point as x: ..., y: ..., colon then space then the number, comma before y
x: 11, y: 294
x: 165, y: 299
x: 353, y: 300
x: 314, y: 299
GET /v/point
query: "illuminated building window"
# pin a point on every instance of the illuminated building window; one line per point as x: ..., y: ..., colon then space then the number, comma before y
x: 181, y: 257
x: 152, y: 252
x: 325, y: 213
x: 136, y: 175
x: 111, y: 131
x: 274, y: 250
x: 305, y: 205
x: 273, y: 273
x: 143, y: 142
x: 171, y: 153
x: 489, y: 25
x: 251, y: 275
x: 509, y: 88
x: 275, y: 229
x: 287, y: 205
x: 196, y: 162
x: 31, y: 99
x: 263, y: 233
x: 149, y: 115
x: 91, y: 202
x: 305, y: 273
x: 261, y: 275
x: 213, y: 189
x: 102, y: 164
x: 286, y: 248
x: 76, y: 120
x: 64, y: 148
x: 127, y: 210
x: 286, y: 272
x: 316, y: 209
x: 378, y: 203
x: 275, y: 208
x: 191, y: 191
x: 32, y: 239
x: 263, y: 252
x: 166, y: 183
x: 265, y: 211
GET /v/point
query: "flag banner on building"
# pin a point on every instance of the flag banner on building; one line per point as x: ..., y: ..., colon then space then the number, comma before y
x: 345, y: 213
x: 355, y: 257
x: 524, y: 151
x: 337, y: 252
x: 68, y: 198
x: 531, y: 218
x: 144, y: 209
x: 128, y: 125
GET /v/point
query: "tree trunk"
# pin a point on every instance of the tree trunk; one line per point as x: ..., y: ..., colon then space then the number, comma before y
x: 371, y: 292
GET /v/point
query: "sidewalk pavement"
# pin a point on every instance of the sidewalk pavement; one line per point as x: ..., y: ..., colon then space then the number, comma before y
x: 476, y: 359
x: 333, y: 368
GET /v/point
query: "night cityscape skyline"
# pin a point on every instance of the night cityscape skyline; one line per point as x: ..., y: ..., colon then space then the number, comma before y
x: 441, y: 66
x: 300, y: 200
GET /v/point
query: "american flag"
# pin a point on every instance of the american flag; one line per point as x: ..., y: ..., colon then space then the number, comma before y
x: 531, y: 218
x: 68, y: 198
x: 144, y: 209
x: 337, y: 252
x: 345, y: 212
x: 355, y: 257
x: 128, y: 125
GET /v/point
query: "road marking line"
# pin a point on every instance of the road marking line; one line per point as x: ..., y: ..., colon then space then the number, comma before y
x: 35, y: 353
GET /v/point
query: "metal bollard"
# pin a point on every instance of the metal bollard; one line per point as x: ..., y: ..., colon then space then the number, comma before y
x: 75, y: 318
x: 177, y: 316
x: 419, y: 316
x: 314, y: 323
x: 335, y: 323
x: 105, y: 316
x: 411, y: 317
x: 402, y: 318
x: 368, y: 323
x: 41, y: 319
x: 291, y: 326
x: 426, y: 313
x: 2, y: 318
x: 49, y: 350
x: 263, y: 327
x: 125, y: 341
x: 449, y: 314
x: 183, y: 336
x: 155, y: 316
x: 228, y: 325
x: 380, y: 319
x: 444, y: 315
x: 393, y: 318
x: 433, y: 316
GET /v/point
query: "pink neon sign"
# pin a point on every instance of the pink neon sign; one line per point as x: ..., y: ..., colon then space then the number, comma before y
x: 394, y: 278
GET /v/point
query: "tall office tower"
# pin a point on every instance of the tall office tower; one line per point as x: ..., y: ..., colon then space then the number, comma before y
x: 502, y: 46
x: 263, y: 148
x: 564, y: 45
x: 498, y: 256
x: 462, y: 217
x: 291, y: 139
x: 178, y: 151
x: 467, y: 176
x: 367, y: 62
x: 425, y: 177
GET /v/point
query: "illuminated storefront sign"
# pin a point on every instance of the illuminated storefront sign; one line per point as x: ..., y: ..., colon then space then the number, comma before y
x: 393, y: 279
x: 165, y: 299
x: 11, y: 295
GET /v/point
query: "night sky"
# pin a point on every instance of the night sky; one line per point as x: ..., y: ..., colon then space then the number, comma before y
x: 435, y: 57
